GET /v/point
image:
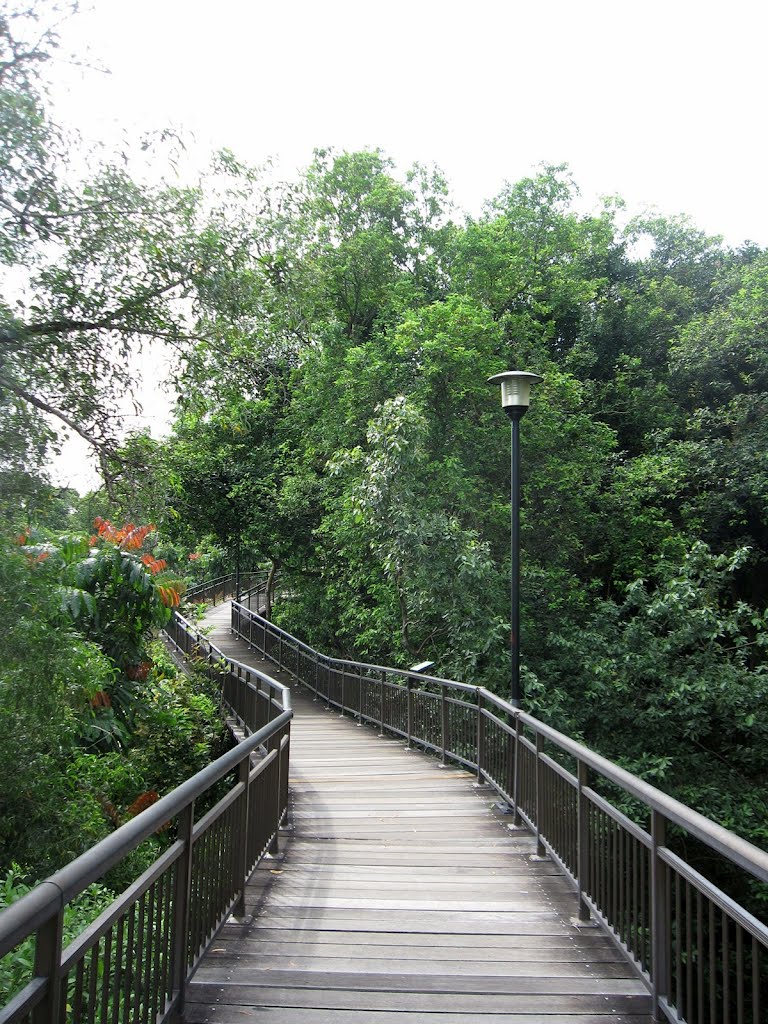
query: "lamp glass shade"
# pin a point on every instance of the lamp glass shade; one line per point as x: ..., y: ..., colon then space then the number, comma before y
x: 515, y: 387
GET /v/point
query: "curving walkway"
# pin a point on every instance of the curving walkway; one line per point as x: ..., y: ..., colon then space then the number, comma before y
x: 402, y: 895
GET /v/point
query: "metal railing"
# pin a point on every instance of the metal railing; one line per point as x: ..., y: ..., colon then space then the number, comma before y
x: 222, y: 588
x: 132, y: 964
x: 703, y: 956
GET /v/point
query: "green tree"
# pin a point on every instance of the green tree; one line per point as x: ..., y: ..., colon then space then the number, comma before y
x: 48, y: 674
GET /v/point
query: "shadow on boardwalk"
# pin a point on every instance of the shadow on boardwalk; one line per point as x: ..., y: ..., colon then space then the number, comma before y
x: 401, y: 894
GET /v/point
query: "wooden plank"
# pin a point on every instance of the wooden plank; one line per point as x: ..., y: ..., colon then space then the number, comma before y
x: 227, y: 1014
x: 511, y: 870
x: 247, y: 963
x: 435, y: 891
x: 364, y: 1000
x: 313, y: 899
x: 590, y: 942
x: 543, y: 923
x: 431, y: 982
x: 386, y: 877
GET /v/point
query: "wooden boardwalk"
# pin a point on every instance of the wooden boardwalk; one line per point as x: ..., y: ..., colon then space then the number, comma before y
x: 401, y: 896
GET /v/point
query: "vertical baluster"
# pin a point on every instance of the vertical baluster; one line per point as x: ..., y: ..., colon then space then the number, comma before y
x: 689, y: 951
x: 106, y: 977
x: 409, y: 710
x: 169, y: 933
x: 480, y: 752
x: 678, y: 942
x: 509, y: 758
x: 128, y: 969
x: 274, y: 847
x: 739, y: 976
x: 713, y: 971
x: 240, y: 860
x: 756, y: 964
x: 600, y: 859
x: 726, y: 956
x: 117, y: 980
x: 181, y: 908
x: 444, y: 723
x: 582, y: 849
x: 659, y: 915
x: 636, y: 924
x: 195, y: 900
x: 93, y: 981
x: 699, y: 956
x: 77, y: 999
x: 619, y: 872
x: 153, y: 990
x: 646, y: 897
x: 138, y: 961
x: 516, y: 820
x: 540, y: 796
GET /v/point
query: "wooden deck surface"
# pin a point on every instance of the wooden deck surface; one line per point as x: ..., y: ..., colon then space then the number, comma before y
x: 401, y: 896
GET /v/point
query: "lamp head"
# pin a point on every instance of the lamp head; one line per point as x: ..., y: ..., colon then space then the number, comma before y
x: 515, y: 390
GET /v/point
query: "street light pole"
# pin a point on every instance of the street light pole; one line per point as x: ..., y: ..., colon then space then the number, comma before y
x: 515, y: 398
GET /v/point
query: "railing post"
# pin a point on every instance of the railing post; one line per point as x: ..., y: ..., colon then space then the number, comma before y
x: 583, y: 851
x: 659, y: 917
x: 47, y: 961
x: 480, y: 739
x: 241, y: 857
x: 540, y: 851
x: 276, y: 744
x: 285, y: 755
x: 181, y: 900
x: 410, y: 711
x: 445, y: 723
x: 509, y: 762
x: 517, y: 821
x: 381, y: 704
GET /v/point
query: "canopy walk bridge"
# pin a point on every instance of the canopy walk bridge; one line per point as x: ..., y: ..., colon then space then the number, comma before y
x: 437, y: 857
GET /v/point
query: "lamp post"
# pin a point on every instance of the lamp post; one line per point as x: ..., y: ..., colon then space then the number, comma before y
x: 515, y: 399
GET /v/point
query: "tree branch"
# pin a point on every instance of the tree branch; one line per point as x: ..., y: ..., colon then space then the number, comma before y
x: 97, y: 444
x: 66, y: 325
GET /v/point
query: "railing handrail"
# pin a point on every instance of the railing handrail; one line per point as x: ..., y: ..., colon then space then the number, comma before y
x: 198, y: 588
x: 737, y: 849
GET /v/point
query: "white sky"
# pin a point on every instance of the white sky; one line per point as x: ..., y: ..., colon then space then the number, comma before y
x: 663, y: 103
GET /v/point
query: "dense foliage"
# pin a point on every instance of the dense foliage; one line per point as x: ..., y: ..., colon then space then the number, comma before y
x: 90, y: 703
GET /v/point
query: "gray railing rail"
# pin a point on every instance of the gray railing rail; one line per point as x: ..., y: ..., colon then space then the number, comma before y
x: 222, y: 588
x: 703, y: 956
x: 133, y: 962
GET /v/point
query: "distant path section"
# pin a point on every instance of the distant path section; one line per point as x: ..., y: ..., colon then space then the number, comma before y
x: 402, y: 896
